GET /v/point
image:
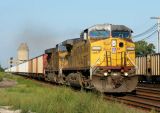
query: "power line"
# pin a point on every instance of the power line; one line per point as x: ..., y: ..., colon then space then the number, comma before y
x: 146, y: 32
x: 158, y: 31
x: 149, y: 36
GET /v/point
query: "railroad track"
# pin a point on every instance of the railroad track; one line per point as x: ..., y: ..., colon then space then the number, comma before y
x: 145, y: 98
x: 149, y: 85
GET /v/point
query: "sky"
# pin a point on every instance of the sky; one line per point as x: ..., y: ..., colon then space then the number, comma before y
x: 44, y: 23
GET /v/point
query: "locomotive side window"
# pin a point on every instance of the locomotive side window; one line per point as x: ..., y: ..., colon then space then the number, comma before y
x: 121, y: 34
x: 99, y: 33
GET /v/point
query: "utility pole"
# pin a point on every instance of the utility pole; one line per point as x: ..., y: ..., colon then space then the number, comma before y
x: 158, y: 31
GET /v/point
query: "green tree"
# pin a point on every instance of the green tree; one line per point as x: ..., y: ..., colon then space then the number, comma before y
x: 1, y: 69
x: 144, y: 48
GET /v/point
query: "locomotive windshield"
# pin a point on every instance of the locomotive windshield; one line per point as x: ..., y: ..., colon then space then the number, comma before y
x: 99, y: 33
x: 121, y: 34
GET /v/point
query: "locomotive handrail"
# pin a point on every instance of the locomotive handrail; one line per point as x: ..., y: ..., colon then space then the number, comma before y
x: 95, y: 63
x: 92, y: 67
x: 131, y: 61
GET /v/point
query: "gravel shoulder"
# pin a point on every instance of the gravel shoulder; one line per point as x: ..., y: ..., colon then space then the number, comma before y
x: 7, y: 83
x: 7, y: 109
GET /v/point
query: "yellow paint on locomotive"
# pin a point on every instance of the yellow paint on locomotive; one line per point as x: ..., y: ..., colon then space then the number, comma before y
x: 102, y: 53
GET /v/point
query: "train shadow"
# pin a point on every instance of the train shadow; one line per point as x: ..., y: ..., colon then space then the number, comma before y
x: 115, y: 94
x: 121, y: 94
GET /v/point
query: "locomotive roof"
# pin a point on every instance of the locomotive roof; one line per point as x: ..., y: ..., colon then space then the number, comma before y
x: 70, y: 41
x: 109, y: 27
x: 49, y: 50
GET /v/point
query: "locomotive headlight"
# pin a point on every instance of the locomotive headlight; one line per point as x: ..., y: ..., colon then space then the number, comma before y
x: 115, y: 74
x: 105, y: 74
x: 114, y: 43
x: 125, y: 74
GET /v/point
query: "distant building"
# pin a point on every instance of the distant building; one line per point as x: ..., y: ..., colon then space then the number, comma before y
x: 23, y: 53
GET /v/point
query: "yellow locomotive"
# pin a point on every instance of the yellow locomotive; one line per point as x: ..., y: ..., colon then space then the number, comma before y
x: 102, y: 58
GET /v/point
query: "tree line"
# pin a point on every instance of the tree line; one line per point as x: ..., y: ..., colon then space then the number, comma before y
x: 144, y: 48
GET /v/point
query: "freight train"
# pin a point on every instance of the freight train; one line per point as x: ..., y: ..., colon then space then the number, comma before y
x: 103, y: 58
x: 148, y: 68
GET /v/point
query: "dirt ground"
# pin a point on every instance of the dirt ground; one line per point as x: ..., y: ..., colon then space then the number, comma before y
x: 6, y: 109
x: 7, y: 83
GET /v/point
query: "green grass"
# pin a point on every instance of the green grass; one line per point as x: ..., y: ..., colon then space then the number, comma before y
x: 32, y: 96
x: 1, y: 78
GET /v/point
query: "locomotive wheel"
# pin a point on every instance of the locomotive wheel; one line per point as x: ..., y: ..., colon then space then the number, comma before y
x: 75, y: 79
x: 68, y: 78
x: 52, y: 77
x: 116, y: 85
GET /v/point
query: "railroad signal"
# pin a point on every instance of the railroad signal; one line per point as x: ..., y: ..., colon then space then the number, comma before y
x: 11, y: 61
x: 11, y: 58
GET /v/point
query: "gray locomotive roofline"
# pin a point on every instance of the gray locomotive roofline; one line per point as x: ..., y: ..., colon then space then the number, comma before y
x: 61, y: 44
x: 120, y: 27
x: 109, y: 27
x: 47, y: 51
x: 70, y: 41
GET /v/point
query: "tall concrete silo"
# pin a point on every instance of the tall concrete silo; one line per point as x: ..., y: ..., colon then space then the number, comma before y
x: 23, y: 53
